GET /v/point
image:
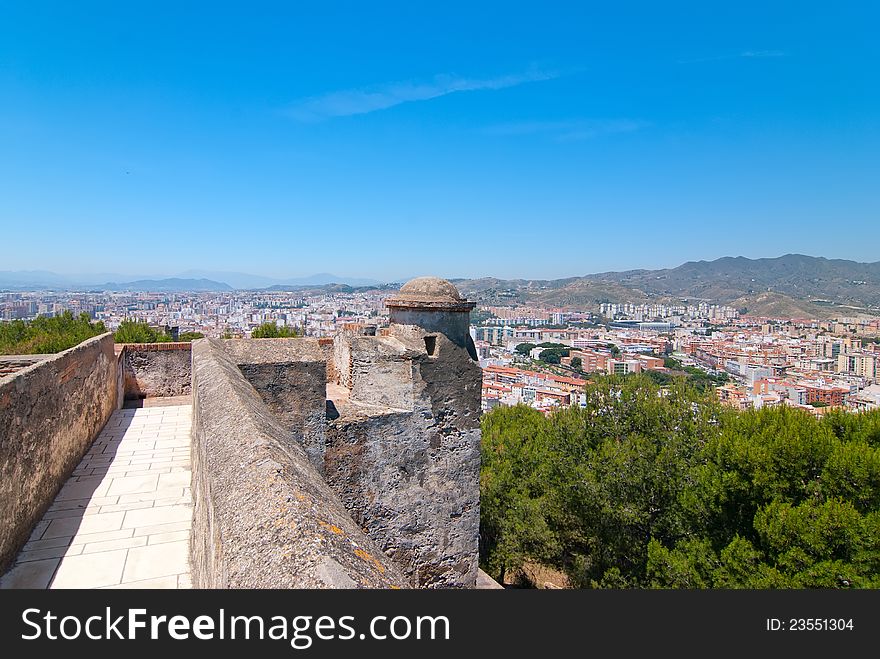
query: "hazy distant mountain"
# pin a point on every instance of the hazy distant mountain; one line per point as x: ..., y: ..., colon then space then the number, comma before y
x: 244, y: 281
x: 163, y: 285
x: 795, y: 275
x: 41, y: 279
x: 32, y: 279
x: 793, y: 285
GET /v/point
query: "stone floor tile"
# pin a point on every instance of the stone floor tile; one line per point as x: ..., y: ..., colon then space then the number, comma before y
x: 109, y: 545
x: 166, y: 559
x: 85, y: 538
x: 91, y: 570
x: 172, y: 536
x: 50, y: 552
x: 62, y: 541
x: 179, y: 479
x: 170, y: 582
x: 153, y: 516
x: 132, y: 484
x: 90, y: 524
x: 36, y: 574
x: 162, y: 528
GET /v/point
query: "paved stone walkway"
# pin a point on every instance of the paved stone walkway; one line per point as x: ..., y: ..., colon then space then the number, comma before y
x: 123, y: 518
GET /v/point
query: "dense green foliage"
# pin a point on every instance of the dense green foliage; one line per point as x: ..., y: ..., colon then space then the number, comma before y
x: 648, y: 489
x: 705, y: 381
x: 46, y: 335
x: 672, y: 363
x: 553, y: 352
x: 550, y: 356
x: 139, y: 331
x: 190, y: 336
x: 525, y: 348
x: 272, y: 331
x: 577, y: 363
x: 700, y: 380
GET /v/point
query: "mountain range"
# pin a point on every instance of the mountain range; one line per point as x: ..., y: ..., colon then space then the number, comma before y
x: 793, y: 285
x: 190, y: 280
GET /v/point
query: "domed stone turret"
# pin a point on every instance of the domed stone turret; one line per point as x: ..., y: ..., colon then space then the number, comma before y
x: 431, y: 293
x: 434, y: 305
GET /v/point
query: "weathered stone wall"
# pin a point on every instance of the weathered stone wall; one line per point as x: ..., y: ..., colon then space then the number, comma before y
x: 411, y: 479
x: 156, y: 369
x: 342, y: 358
x: 454, y: 325
x: 381, y: 372
x: 263, y: 515
x: 11, y: 364
x: 49, y: 415
x: 291, y: 376
x: 326, y: 346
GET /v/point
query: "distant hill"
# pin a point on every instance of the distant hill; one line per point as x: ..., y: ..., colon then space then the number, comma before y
x: 163, y: 285
x: 793, y: 285
x: 795, y: 275
x: 243, y: 280
x: 31, y: 279
x: 777, y: 305
x: 40, y: 279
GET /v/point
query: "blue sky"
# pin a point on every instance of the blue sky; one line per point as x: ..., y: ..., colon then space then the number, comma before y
x: 509, y: 139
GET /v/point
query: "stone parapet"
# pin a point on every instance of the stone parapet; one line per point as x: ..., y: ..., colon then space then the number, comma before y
x: 264, y: 517
x: 50, y: 413
x: 156, y: 369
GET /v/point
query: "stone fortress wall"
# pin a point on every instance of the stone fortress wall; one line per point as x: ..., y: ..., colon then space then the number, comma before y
x: 50, y: 413
x: 389, y: 423
x: 325, y: 463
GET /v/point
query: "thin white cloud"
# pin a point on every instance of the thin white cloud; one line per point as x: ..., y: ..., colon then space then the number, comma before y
x: 763, y: 53
x: 744, y: 53
x: 569, y: 131
x: 380, y: 97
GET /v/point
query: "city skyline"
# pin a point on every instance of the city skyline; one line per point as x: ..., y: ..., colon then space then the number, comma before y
x: 515, y: 144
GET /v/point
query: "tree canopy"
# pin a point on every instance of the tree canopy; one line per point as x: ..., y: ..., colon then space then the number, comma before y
x: 139, y: 331
x: 47, y: 335
x: 270, y: 330
x: 648, y: 489
x: 551, y: 356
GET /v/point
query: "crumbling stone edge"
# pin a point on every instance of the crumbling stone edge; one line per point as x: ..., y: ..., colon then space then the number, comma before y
x: 263, y: 515
x: 50, y: 413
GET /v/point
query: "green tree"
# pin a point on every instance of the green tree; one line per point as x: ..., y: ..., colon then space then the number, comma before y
x: 639, y: 489
x: 190, y: 336
x: 784, y: 501
x: 513, y: 525
x: 577, y: 363
x: 659, y: 377
x: 550, y: 356
x: 44, y: 335
x: 672, y: 363
x: 139, y: 331
x: 270, y: 330
x: 525, y: 348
